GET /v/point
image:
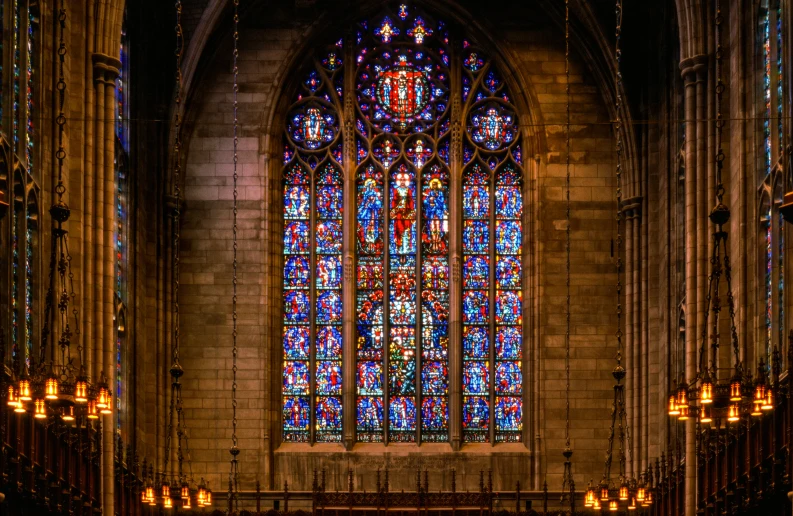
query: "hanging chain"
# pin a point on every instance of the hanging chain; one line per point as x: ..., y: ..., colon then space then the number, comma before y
x: 234, y: 473
x: 719, y: 93
x: 60, y: 154
x: 177, y: 172
x: 618, y: 134
x: 175, y: 404
x: 567, y: 215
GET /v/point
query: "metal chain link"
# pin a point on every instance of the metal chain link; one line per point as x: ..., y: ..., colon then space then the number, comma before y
x: 618, y: 134
x: 234, y: 451
x: 175, y: 387
x: 567, y: 216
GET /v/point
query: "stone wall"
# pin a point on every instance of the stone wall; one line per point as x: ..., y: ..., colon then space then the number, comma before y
x: 534, y: 49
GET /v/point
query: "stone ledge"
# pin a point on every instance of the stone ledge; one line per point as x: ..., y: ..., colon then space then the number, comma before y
x: 404, y: 448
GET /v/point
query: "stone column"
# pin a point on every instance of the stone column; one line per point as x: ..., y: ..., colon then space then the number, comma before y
x: 348, y: 251
x: 455, y: 253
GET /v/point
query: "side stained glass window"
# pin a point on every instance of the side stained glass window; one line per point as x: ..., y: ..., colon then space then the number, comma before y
x: 402, y: 169
x: 313, y: 210
x: 772, y: 180
x: 492, y: 245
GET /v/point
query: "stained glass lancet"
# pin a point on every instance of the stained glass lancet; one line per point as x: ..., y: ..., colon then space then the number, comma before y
x: 313, y: 209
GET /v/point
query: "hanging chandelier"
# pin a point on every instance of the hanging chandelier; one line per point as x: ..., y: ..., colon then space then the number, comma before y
x: 51, y: 385
x: 714, y: 396
x: 176, y: 489
x: 618, y: 490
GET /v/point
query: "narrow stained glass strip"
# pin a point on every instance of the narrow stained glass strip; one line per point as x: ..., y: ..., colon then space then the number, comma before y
x: 297, y: 304
x: 508, y: 380
x: 435, y: 304
x: 329, y: 210
x: 370, y: 321
x: 402, y: 305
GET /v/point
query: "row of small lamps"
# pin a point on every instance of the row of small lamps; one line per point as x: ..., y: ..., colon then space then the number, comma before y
x: 762, y: 400
x: 642, y: 497
x: 203, y: 495
x: 26, y: 395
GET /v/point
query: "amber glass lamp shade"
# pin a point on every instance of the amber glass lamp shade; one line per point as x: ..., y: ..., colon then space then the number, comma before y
x: 185, y: 491
x: 706, y: 391
x: 768, y: 403
x: 682, y: 395
x: 68, y: 413
x: 735, y: 389
x: 186, y: 504
x: 734, y: 413
x: 705, y: 416
x: 92, y: 412
x: 103, y: 397
x: 673, y: 408
x: 589, y: 499
x: 149, y: 493
x: 12, y: 397
x: 632, y: 505
x: 624, y: 492
x: 81, y: 390
x: 604, y: 493
x: 40, y: 409
x: 24, y: 390
x: 683, y: 413
x: 165, y: 490
x: 208, y: 500
x: 596, y: 504
x: 51, y: 388
x: 167, y: 503
x: 201, y: 497
x: 649, y: 499
x: 613, y: 506
x: 640, y: 494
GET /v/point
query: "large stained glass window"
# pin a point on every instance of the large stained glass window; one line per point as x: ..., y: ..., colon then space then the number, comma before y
x: 771, y: 225
x: 404, y: 162
x: 313, y: 209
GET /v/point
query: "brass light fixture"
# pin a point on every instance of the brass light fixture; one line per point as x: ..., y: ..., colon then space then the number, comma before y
x: 53, y: 383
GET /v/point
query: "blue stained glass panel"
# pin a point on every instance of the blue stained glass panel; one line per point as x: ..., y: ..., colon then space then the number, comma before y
x: 476, y: 236
x: 509, y: 307
x: 296, y: 377
x: 509, y: 236
x: 329, y: 342
x: 296, y: 417
x: 329, y: 307
x: 328, y: 271
x: 296, y: 307
x: 328, y: 414
x: 296, y: 342
x: 296, y: 205
x: 369, y: 378
x: 509, y: 202
x: 509, y: 414
x: 370, y: 307
x: 476, y: 272
x: 476, y: 202
x: 329, y: 202
x: 509, y: 379
x: 369, y: 418
x: 476, y: 378
x: 509, y: 343
x: 475, y: 342
x: 370, y: 342
x: 434, y: 377
x: 296, y: 238
x: 328, y: 378
x: 296, y: 272
x: 434, y: 342
x: 402, y: 415
x: 434, y: 414
x: 509, y: 272
x: 476, y: 416
x: 475, y: 307
x: 329, y: 237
